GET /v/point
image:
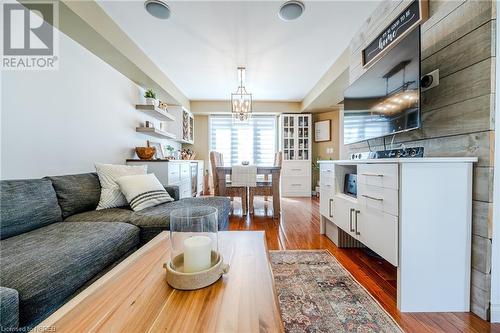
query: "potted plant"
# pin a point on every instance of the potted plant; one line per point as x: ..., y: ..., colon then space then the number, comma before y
x: 170, y: 150
x: 150, y: 96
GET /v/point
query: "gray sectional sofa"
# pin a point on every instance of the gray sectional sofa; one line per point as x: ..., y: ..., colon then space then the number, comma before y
x: 54, y: 243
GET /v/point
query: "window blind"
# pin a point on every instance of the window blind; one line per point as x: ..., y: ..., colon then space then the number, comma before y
x: 254, y: 141
x: 363, y: 126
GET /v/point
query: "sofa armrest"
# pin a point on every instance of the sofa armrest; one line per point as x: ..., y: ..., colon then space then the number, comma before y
x: 173, y: 191
x: 9, y: 309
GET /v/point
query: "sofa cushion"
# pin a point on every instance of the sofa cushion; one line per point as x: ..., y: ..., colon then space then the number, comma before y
x: 159, y: 216
x: 143, y: 191
x: 77, y: 193
x: 103, y: 215
x: 47, y: 265
x: 27, y: 205
x: 9, y: 309
x: 111, y: 196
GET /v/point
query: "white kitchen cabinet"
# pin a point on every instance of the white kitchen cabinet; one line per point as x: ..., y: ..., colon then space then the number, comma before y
x: 413, y: 212
x: 172, y: 173
x: 200, y: 178
x: 326, y: 190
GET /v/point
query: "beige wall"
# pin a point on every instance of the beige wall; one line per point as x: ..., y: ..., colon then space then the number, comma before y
x: 211, y: 107
x: 457, y: 115
x: 319, y: 149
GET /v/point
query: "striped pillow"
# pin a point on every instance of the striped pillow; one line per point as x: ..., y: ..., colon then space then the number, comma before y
x: 111, y: 196
x: 143, y: 191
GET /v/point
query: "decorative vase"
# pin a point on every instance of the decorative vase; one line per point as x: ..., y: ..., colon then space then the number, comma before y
x: 195, y: 261
x: 151, y: 101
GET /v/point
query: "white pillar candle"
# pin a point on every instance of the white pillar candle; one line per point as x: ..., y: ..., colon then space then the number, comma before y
x: 197, y: 254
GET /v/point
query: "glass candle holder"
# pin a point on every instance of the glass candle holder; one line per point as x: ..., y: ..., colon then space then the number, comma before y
x: 194, y: 238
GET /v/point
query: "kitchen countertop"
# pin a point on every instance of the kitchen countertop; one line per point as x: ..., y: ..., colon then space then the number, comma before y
x: 139, y: 160
x: 406, y: 160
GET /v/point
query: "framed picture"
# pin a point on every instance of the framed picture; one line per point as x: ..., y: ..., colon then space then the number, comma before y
x: 322, y: 131
x: 159, y: 149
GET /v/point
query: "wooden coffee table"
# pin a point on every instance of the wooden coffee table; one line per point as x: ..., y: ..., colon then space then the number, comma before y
x: 135, y: 297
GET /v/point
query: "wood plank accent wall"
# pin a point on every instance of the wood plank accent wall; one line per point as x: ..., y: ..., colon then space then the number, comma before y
x: 458, y: 115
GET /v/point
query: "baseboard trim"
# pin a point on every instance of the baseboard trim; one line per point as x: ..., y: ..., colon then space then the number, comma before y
x: 495, y: 313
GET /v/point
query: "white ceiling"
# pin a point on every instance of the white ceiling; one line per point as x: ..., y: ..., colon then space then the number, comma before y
x: 203, y: 42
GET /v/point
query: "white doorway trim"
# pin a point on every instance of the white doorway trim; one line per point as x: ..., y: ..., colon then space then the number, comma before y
x: 495, y: 246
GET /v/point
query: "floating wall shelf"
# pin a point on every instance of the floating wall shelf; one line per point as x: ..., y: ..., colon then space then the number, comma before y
x: 156, y: 112
x: 155, y: 132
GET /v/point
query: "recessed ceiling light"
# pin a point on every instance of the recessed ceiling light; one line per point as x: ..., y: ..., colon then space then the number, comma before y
x: 157, y: 8
x: 291, y: 10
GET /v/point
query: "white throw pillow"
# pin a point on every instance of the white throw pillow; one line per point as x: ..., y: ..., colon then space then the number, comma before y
x: 111, y: 196
x: 143, y: 191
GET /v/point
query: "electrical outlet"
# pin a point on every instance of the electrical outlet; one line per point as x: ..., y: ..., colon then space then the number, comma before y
x: 430, y: 80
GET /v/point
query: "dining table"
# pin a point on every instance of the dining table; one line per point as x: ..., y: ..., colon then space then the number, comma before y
x: 274, y: 171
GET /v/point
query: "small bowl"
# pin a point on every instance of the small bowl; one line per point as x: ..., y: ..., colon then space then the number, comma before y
x: 145, y: 153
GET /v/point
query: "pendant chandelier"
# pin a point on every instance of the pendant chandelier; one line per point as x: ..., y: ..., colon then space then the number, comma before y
x: 241, y: 100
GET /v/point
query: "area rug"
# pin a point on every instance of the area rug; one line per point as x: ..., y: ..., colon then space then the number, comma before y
x: 317, y: 294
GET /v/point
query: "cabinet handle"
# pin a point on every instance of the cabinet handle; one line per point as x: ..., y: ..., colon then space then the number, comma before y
x: 356, y: 222
x: 372, y: 174
x: 372, y: 198
x: 330, y: 208
x: 350, y: 220
x: 296, y: 185
x: 296, y: 169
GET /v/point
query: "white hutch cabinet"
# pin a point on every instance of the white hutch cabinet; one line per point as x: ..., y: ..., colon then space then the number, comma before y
x: 296, y: 145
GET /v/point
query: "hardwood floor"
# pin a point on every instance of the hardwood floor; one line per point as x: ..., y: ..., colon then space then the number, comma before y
x: 298, y: 228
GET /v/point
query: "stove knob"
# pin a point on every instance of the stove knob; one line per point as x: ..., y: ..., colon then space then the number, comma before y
x: 399, y: 153
x: 413, y: 152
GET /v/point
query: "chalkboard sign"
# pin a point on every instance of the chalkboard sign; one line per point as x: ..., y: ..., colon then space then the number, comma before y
x: 405, y: 22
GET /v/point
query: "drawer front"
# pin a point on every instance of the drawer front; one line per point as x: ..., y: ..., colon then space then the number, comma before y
x: 296, y: 169
x: 379, y: 231
x: 378, y: 198
x: 326, y: 173
x: 326, y: 167
x: 327, y: 187
x: 296, y: 186
x: 173, y: 173
x: 382, y: 175
x: 184, y: 190
x: 185, y: 170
